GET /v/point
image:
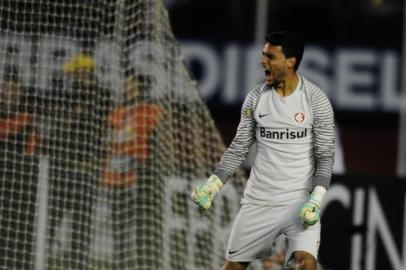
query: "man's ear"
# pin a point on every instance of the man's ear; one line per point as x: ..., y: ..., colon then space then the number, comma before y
x: 291, y: 62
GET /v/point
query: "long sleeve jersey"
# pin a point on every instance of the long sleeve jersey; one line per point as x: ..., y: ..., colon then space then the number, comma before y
x: 295, y: 143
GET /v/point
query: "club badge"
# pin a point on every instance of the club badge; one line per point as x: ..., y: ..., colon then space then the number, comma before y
x: 299, y: 117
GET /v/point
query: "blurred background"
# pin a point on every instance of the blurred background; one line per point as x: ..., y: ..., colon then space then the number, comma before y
x: 111, y: 110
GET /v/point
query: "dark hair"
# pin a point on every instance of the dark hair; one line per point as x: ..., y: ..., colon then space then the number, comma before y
x: 292, y: 44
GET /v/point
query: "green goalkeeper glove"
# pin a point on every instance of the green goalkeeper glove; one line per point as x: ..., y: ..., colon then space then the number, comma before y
x: 203, y: 194
x: 310, y: 211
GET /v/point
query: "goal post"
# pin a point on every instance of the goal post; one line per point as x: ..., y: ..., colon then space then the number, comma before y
x: 103, y: 134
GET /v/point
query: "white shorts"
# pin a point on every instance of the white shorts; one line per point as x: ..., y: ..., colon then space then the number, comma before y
x: 256, y: 227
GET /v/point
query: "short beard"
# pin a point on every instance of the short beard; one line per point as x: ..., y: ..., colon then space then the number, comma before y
x: 277, y: 84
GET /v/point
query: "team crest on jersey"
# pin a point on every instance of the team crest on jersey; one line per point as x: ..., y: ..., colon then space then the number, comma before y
x: 299, y: 117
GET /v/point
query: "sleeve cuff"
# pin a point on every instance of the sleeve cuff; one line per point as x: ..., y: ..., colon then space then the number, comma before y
x: 322, y: 181
x: 222, y: 175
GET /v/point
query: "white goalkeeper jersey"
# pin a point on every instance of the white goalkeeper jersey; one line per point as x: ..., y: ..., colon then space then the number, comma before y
x: 295, y: 143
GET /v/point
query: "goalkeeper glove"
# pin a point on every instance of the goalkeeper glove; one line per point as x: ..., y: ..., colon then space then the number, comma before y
x: 203, y: 194
x: 310, y: 211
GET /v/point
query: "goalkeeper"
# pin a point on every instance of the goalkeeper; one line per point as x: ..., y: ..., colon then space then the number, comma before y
x: 292, y: 122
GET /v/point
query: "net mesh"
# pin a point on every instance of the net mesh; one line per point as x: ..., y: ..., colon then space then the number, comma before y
x: 102, y: 135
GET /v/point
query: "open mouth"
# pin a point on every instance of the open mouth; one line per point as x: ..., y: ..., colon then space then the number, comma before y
x: 267, y: 72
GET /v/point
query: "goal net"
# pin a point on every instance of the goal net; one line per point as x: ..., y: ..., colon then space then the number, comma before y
x: 102, y: 135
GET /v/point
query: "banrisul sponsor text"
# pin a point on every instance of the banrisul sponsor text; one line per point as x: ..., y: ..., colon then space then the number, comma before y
x: 283, y: 134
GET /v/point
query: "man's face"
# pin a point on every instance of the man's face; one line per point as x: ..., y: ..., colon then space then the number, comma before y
x: 275, y: 64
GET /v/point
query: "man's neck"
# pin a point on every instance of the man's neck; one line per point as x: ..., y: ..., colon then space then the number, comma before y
x: 288, y: 86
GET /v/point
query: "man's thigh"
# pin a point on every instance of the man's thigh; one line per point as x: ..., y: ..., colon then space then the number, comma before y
x: 254, y: 231
x: 303, y: 261
x: 300, y: 237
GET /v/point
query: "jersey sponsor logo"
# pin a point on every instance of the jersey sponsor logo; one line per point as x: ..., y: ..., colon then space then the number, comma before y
x: 299, y: 117
x: 263, y: 115
x: 286, y: 134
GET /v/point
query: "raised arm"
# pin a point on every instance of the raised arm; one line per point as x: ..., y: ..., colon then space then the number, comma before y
x: 203, y: 194
x: 323, y: 143
x: 237, y: 152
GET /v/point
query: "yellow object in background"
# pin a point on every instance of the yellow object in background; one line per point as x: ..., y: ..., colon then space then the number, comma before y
x: 81, y: 61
